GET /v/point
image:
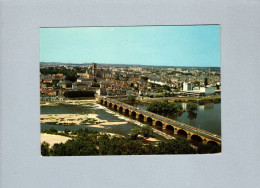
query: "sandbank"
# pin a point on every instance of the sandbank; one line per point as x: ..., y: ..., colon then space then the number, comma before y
x: 53, y: 139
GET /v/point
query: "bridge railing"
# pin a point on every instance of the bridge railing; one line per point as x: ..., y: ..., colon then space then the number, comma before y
x: 168, y: 120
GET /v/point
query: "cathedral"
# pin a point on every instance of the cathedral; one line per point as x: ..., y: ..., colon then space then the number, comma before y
x: 97, y: 73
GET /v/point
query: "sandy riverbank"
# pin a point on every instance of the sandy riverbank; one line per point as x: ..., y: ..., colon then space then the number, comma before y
x: 68, y: 102
x: 77, y: 119
x: 53, y: 139
x: 70, y: 119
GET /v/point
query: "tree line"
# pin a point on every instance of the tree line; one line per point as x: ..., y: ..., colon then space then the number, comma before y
x: 90, y: 142
x: 163, y: 107
x: 166, y: 107
x: 77, y: 94
x: 87, y: 142
x: 70, y: 75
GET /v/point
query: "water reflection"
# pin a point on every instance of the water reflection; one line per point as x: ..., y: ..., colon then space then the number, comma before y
x: 207, y: 117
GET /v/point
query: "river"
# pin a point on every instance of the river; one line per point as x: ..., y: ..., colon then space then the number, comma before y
x: 93, y: 108
x: 208, y: 117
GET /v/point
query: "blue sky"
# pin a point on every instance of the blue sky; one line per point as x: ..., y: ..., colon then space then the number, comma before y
x: 145, y: 45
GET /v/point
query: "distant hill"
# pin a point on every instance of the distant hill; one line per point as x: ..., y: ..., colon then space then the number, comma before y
x: 128, y: 65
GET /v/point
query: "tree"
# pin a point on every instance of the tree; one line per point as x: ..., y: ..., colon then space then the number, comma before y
x: 45, y: 149
x: 192, y: 107
x: 131, y: 99
x: 175, y: 146
x: 146, y: 130
x: 135, y: 132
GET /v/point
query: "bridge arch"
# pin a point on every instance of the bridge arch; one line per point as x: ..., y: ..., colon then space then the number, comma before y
x: 141, y: 118
x: 213, y: 143
x: 159, y: 124
x: 126, y: 112
x: 196, y: 138
x: 105, y: 103
x: 149, y: 121
x: 133, y: 115
x: 120, y: 109
x: 115, y: 107
x: 182, y: 132
x: 110, y: 105
x: 169, y: 127
x: 101, y: 101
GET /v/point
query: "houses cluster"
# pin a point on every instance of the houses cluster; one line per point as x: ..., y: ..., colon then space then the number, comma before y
x: 139, y: 81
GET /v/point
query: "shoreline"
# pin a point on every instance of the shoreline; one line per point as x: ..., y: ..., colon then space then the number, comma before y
x: 146, y: 100
x: 76, y: 119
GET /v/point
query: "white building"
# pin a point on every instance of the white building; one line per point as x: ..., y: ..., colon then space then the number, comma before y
x: 207, y: 90
x: 187, y: 86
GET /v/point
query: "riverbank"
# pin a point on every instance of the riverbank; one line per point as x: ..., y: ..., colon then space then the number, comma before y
x: 91, y: 120
x: 68, y: 102
x: 206, y: 99
x: 77, y: 119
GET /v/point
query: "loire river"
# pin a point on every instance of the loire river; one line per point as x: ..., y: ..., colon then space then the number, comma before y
x: 92, y: 108
x: 208, y: 118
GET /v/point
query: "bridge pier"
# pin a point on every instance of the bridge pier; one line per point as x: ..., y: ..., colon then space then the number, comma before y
x: 188, y: 136
x: 204, y: 141
x: 164, y: 126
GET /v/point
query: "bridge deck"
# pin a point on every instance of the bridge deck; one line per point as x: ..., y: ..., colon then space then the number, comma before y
x: 190, y: 128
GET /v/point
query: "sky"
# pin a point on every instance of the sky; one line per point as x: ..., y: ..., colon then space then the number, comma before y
x: 197, y: 45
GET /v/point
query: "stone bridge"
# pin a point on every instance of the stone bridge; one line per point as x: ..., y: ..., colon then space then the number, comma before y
x: 191, y: 133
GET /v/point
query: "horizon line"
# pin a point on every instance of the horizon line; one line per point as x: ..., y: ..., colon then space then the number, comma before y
x: 127, y: 64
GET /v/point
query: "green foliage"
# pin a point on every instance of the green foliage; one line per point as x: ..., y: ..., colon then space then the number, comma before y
x: 167, y: 94
x: 66, y: 131
x: 52, y: 130
x: 165, y: 87
x: 90, y: 142
x: 163, y: 107
x: 70, y: 75
x: 208, y: 148
x: 192, y: 107
x: 175, y: 146
x: 76, y: 94
x: 54, y: 82
x: 131, y: 98
x: 144, y: 78
x: 135, y: 132
x: 45, y: 149
x: 48, y: 84
x: 146, y: 130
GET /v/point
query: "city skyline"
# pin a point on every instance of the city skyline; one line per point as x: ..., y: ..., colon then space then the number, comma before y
x: 197, y: 45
